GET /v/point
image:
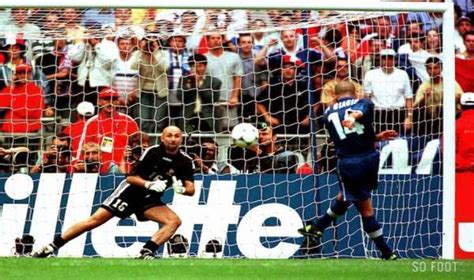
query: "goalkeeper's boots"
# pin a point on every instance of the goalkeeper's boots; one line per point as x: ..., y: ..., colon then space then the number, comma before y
x: 44, y: 252
x: 391, y: 257
x: 311, y: 230
x: 146, y: 254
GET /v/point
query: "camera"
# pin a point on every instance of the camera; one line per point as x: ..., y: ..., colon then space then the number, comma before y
x: 92, y: 166
x: 18, y: 161
x: 63, y: 151
x: 135, y: 153
x: 193, y: 147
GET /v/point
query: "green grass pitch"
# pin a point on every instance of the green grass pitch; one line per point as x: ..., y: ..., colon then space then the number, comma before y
x: 99, y: 268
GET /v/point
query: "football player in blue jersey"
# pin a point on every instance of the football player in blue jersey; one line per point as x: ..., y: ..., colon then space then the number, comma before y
x: 350, y: 126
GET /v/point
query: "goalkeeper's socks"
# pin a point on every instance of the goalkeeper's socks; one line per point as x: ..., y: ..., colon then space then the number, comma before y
x: 152, y: 246
x: 58, y: 242
x: 374, y: 231
x: 337, y: 209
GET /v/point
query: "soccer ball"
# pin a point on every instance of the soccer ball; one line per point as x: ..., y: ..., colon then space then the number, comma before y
x: 244, y: 135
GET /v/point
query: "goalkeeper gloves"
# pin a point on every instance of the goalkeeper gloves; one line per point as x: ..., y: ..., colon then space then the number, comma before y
x: 178, y: 186
x: 156, y: 186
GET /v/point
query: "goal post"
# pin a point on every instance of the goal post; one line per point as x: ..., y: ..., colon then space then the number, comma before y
x: 449, y: 106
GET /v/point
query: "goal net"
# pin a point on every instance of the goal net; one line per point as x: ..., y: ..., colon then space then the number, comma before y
x: 67, y: 140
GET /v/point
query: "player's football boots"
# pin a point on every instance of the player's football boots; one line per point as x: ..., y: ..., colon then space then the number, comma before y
x: 44, y: 252
x: 146, y: 254
x: 391, y: 257
x: 310, y: 230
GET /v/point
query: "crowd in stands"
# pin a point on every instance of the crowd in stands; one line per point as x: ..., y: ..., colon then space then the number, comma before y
x: 112, y: 79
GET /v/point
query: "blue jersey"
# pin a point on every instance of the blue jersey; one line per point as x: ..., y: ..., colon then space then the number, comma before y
x: 357, y: 140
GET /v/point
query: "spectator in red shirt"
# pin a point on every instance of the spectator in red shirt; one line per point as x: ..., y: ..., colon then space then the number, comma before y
x: 464, y: 64
x: 85, y: 110
x: 464, y: 135
x: 24, y: 102
x: 109, y: 128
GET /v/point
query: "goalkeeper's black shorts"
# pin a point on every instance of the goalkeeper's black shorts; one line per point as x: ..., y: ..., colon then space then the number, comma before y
x: 128, y: 199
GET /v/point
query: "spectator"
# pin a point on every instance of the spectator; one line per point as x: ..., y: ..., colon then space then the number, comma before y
x: 417, y: 55
x: 138, y: 142
x: 123, y: 25
x: 254, y: 78
x: 71, y: 19
x: 267, y: 156
x: 50, y: 31
x: 328, y: 95
x: 23, y: 101
x: 227, y: 67
x: 433, y: 42
x: 285, y: 106
x: 204, y: 155
x: 410, y: 27
x: 389, y: 89
x: 429, y: 99
x: 15, y: 55
x: 383, y: 30
x: 191, y: 25
x: 85, y: 110
x: 259, y: 38
x: 126, y: 78
x: 57, y: 158
x: 152, y: 63
x: 198, y: 93
x: 306, y: 55
x: 351, y: 41
x: 371, y: 60
x: 465, y: 63
x: 463, y: 25
x: 109, y: 128
x: 93, y: 162
x: 56, y: 65
x: 97, y: 58
x: 178, y: 57
x: 21, y: 28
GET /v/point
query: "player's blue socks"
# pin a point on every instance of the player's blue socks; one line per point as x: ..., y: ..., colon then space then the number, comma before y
x: 374, y: 231
x: 337, y: 209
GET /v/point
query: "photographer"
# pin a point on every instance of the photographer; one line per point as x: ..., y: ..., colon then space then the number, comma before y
x: 268, y: 156
x: 96, y: 58
x: 57, y: 158
x: 204, y: 155
x: 137, y: 143
x: 152, y: 63
x: 92, y: 161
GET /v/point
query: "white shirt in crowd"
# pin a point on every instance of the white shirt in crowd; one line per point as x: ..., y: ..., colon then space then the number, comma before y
x: 387, y: 91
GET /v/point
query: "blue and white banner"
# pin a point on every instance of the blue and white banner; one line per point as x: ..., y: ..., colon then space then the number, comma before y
x: 255, y: 216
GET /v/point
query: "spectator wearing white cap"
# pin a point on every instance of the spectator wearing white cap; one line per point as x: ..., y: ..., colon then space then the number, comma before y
x: 85, y: 110
x: 389, y: 89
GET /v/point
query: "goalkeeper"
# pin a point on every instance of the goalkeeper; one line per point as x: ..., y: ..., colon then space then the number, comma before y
x: 140, y: 193
x: 350, y: 126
